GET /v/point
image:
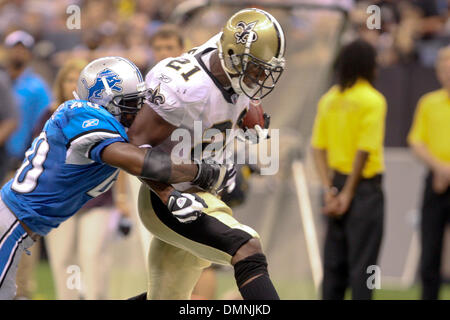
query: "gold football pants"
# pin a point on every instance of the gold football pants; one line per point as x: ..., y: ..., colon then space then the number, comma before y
x: 180, y: 251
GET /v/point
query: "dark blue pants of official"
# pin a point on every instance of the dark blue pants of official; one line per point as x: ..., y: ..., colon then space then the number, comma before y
x: 435, y: 216
x: 353, y: 241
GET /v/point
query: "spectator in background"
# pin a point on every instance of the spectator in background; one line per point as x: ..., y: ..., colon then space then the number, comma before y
x: 8, y: 120
x: 429, y: 139
x: 30, y: 91
x: 166, y: 42
x: 32, y: 96
x: 431, y: 35
x: 347, y: 141
x: 83, y: 240
x: 136, y: 41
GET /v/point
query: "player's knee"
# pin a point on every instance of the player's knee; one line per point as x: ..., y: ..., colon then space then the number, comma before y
x: 252, y: 263
x: 251, y: 247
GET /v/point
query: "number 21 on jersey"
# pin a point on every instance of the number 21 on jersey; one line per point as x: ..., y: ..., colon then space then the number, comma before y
x: 177, y: 64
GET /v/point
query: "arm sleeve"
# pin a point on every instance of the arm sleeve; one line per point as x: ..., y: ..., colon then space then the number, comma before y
x: 417, y: 133
x: 88, y: 133
x: 372, y: 127
x: 319, y: 136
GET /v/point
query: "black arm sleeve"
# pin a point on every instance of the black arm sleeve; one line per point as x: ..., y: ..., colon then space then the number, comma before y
x: 157, y: 166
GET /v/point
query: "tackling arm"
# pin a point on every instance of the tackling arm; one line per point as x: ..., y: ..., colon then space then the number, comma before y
x: 150, y: 129
x: 155, y: 165
x: 152, y: 165
x: 148, y: 163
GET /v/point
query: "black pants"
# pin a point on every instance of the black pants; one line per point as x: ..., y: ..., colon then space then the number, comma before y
x: 435, y: 215
x: 353, y: 241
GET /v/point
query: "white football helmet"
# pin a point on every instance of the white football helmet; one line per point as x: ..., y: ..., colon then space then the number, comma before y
x: 114, y: 83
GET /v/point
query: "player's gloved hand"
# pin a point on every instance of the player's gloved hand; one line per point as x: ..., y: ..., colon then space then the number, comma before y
x: 186, y: 207
x: 124, y: 226
x: 215, y: 177
x: 256, y: 134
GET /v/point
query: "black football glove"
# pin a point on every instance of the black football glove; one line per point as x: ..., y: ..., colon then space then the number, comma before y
x: 186, y: 207
x: 215, y: 177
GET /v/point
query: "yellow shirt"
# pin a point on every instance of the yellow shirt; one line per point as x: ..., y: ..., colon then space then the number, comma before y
x: 431, y: 125
x: 350, y: 121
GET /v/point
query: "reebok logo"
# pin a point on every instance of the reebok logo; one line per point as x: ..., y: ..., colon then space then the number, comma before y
x: 181, y: 202
x: 90, y: 123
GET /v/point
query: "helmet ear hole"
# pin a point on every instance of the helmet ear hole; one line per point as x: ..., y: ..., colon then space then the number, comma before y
x: 230, y: 52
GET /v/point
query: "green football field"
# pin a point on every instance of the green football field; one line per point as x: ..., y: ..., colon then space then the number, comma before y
x: 226, y: 286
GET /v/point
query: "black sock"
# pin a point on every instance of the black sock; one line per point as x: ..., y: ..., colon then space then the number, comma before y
x: 260, y: 288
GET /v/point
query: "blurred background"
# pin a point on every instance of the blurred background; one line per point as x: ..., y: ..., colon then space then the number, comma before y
x: 285, y: 214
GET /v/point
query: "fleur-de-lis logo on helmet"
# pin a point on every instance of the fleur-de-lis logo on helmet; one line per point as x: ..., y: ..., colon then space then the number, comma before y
x: 242, y: 37
x: 155, y: 97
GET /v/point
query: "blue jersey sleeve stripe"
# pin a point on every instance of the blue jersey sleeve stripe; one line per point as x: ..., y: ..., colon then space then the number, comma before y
x: 78, y: 151
x: 96, y: 151
x: 89, y: 132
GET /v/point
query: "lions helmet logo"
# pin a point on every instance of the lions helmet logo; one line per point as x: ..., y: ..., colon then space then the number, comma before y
x: 242, y: 37
x: 155, y: 97
x: 112, y: 78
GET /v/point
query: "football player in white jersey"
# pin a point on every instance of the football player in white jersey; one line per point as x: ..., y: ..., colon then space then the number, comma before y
x: 211, y: 86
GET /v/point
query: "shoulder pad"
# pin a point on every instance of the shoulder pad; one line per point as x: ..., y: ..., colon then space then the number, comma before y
x: 182, y: 77
x: 83, y: 116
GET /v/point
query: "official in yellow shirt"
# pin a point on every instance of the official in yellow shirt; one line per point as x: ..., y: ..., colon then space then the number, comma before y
x: 349, y: 121
x: 347, y: 144
x: 429, y: 139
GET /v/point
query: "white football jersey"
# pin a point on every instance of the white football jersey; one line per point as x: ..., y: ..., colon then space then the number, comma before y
x: 183, y: 91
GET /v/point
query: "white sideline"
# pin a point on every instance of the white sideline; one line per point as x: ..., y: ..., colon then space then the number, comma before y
x: 306, y: 214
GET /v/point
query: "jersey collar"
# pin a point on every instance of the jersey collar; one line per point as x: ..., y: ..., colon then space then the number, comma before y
x: 227, y: 94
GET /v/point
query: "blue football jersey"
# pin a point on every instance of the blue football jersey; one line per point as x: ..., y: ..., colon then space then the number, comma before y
x: 63, y: 168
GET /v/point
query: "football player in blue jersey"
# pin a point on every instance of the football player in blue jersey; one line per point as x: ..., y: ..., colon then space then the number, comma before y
x: 77, y: 157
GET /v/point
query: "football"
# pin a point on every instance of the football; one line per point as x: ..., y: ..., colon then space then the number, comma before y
x: 254, y: 116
